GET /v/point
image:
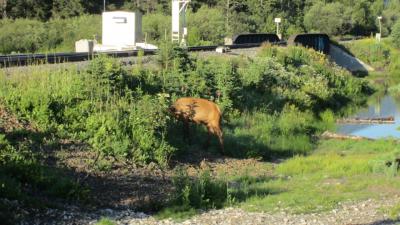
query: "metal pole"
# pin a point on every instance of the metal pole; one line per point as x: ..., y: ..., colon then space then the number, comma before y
x: 380, y: 28
x: 104, y: 5
x: 277, y: 29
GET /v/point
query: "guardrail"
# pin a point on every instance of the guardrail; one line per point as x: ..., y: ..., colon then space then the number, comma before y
x: 32, y: 59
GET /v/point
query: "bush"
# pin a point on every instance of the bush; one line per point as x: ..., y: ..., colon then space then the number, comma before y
x: 157, y: 27
x: 271, y: 103
x: 21, y: 35
x: 31, y: 36
x: 202, y: 192
x: 395, y: 35
x: 103, y: 106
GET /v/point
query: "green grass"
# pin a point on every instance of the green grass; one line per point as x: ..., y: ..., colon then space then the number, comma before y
x: 337, y: 171
x: 106, y: 221
x: 178, y: 213
x: 383, y: 56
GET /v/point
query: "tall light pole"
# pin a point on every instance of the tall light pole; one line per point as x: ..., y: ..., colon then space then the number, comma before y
x: 277, y: 21
x: 380, y: 29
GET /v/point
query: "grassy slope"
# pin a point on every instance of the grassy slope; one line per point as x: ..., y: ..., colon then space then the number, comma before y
x: 380, y: 55
x: 337, y: 171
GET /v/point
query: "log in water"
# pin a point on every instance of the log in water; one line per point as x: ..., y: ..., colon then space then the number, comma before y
x: 382, y: 120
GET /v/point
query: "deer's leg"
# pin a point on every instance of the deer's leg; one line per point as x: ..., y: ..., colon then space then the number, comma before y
x: 219, y: 134
x: 186, y: 131
x: 209, y: 131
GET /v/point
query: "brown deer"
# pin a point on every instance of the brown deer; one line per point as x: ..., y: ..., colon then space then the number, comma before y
x: 199, y: 111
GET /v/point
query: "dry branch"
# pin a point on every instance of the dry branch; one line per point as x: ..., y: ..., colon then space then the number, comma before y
x: 331, y: 135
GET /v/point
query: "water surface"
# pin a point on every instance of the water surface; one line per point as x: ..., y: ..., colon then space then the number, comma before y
x: 385, y: 106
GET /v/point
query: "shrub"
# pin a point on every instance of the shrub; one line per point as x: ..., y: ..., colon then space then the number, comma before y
x: 271, y: 105
x: 157, y: 27
x: 395, y: 35
x: 202, y: 192
x: 132, y: 128
x: 31, y: 36
x: 21, y: 35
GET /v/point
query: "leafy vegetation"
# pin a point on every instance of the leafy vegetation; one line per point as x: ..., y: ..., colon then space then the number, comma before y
x: 396, y: 35
x: 272, y: 102
x: 383, y: 56
x: 23, y: 35
x: 337, y: 172
x: 273, y: 105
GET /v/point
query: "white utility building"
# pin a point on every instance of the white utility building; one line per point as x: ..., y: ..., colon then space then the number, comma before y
x: 122, y: 28
x: 121, y: 31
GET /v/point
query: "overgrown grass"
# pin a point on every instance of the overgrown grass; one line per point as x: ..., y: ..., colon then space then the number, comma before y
x: 272, y: 104
x: 57, y: 35
x: 337, y: 172
x: 383, y: 56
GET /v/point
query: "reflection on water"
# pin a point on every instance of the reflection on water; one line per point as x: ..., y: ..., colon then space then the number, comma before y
x: 385, y: 107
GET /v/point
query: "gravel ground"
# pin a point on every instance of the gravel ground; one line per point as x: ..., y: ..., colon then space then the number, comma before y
x: 368, y: 212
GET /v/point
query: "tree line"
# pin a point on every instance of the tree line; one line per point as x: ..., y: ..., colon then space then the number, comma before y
x: 335, y: 17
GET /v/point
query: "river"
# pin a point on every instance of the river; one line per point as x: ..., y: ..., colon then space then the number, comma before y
x: 383, y: 107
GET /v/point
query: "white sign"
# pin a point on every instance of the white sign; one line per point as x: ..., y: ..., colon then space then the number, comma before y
x: 277, y: 20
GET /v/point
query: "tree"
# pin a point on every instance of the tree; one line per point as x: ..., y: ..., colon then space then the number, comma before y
x: 207, y: 24
x: 326, y: 18
x: 362, y: 18
x: 67, y: 8
x: 396, y: 34
x: 29, y: 9
x: 391, y: 14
